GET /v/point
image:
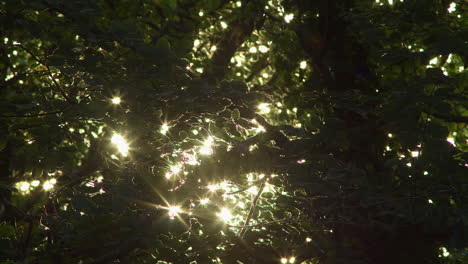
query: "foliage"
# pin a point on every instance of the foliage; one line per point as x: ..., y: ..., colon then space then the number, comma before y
x: 182, y: 131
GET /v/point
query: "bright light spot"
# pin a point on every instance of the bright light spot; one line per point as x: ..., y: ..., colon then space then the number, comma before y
x: 433, y: 61
x: 250, y: 177
x: 209, y: 141
x: 116, y: 100
x: 24, y: 186
x: 260, y: 129
x: 264, y: 108
x: 173, y: 211
x: 390, y: 135
x: 225, y: 215
x: 5, y: 40
x: 47, y: 185
x: 390, y: 2
x: 253, y: 50
x: 408, y: 164
x: 213, y: 48
x: 201, y: 13
x: 253, y: 147
x: 35, y: 183
x: 263, y: 49
x: 295, y: 109
x: 122, y: 146
x: 303, y: 65
x: 292, y: 260
x: 239, y: 3
x: 451, y: 141
x: 206, y: 151
x: 388, y: 148
x: 196, y: 43
x: 430, y: 201
x: 452, y: 7
x: 253, y: 190
x: 301, y: 161
x: 240, y: 205
x: 204, y: 201
x: 284, y: 260
x: 268, y: 187
x: 190, y: 159
x: 206, y: 148
x: 53, y: 181
x: 223, y: 24
x: 212, y: 187
x: 308, y: 240
x: 450, y: 57
x: 265, y: 75
x: 15, y: 52
x: 173, y: 170
x: 445, y: 252
x: 414, y: 154
x: 164, y: 129
x: 288, y: 18
x: 224, y: 185
x: 426, y: 173
x: 199, y: 70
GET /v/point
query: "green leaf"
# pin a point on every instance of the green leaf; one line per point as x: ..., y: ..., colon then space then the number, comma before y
x: 212, y: 4
x: 7, y: 230
x: 163, y: 44
x: 170, y: 3
x: 235, y: 114
x: 3, y: 143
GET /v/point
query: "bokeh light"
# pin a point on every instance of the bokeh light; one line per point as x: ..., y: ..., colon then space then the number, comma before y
x: 121, y: 144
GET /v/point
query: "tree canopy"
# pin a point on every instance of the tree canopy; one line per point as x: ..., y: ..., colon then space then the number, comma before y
x: 250, y: 131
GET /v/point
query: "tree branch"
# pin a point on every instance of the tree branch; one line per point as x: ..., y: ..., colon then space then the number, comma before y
x: 252, y: 209
x: 237, y: 33
x: 35, y: 115
x: 449, y: 117
x: 62, y: 92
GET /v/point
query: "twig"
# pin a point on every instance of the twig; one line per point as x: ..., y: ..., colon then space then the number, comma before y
x: 232, y: 39
x: 252, y: 209
x: 62, y: 92
x: 449, y: 118
x: 262, y: 224
x: 36, y: 115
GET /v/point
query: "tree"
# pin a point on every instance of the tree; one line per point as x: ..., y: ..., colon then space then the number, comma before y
x: 233, y: 132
